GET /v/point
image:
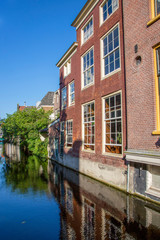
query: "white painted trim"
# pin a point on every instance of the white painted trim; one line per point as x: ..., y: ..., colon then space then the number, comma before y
x: 103, y: 76
x: 142, y: 159
x: 82, y: 110
x: 68, y: 54
x: 82, y: 31
x: 101, y: 22
x: 61, y: 98
x: 68, y: 59
x: 89, y: 11
x: 69, y: 120
x: 104, y: 128
x: 82, y: 79
x: 69, y: 104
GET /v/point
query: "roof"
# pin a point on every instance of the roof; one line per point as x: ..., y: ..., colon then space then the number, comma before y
x: 67, y: 54
x: 48, y: 99
x: 88, y: 7
x: 21, y: 108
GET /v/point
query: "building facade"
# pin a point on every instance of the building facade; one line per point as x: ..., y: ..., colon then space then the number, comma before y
x: 92, y: 90
x: 142, y: 61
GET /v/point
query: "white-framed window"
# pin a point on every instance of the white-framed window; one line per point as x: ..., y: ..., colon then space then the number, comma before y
x: 107, y: 8
x: 87, y: 31
x: 67, y: 68
x: 71, y: 94
x: 88, y: 68
x: 110, y: 47
x: 89, y: 126
x: 69, y: 133
x: 64, y: 98
x: 112, y: 117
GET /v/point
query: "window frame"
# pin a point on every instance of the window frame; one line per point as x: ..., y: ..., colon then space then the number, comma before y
x: 157, y: 131
x: 82, y: 71
x: 103, y: 76
x: 82, y: 31
x: 62, y: 105
x: 101, y: 11
x: 83, y: 136
x: 67, y: 68
x: 104, y: 127
x: 67, y: 143
x: 69, y: 93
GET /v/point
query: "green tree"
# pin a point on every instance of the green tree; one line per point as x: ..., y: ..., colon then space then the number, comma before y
x: 25, y: 125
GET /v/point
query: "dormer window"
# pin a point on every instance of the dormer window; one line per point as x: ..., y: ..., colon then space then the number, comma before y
x: 87, y: 31
x: 67, y: 68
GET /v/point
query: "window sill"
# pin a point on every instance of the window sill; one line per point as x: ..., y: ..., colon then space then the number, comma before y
x: 113, y: 155
x: 153, y: 20
x: 156, y: 132
x: 87, y: 86
x: 88, y: 151
x: 110, y: 74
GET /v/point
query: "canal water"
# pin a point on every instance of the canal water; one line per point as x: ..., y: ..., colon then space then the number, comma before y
x: 40, y: 199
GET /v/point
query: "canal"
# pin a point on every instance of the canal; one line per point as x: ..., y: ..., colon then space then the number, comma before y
x: 40, y: 199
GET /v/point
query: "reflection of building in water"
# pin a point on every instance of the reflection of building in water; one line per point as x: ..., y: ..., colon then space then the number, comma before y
x: 90, y: 210
x: 88, y: 219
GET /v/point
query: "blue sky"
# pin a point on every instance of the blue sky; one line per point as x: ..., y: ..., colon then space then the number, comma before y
x: 34, y: 34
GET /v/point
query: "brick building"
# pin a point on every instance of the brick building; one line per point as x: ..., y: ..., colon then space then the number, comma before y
x: 142, y: 61
x: 92, y: 89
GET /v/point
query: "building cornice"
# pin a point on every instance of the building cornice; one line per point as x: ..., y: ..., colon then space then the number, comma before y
x: 88, y: 7
x: 67, y: 54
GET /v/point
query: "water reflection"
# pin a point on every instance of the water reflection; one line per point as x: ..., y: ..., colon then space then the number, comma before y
x: 90, y: 210
x: 26, y: 175
x: 54, y: 202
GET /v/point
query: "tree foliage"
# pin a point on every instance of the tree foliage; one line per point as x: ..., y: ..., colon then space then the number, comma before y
x: 25, y: 125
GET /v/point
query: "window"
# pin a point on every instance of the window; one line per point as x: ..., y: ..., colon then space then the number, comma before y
x: 62, y: 126
x: 153, y: 180
x: 88, y: 220
x: 89, y: 126
x: 157, y: 7
x: 67, y: 68
x: 64, y: 98
x: 111, y: 52
x: 71, y: 94
x: 69, y: 201
x: 88, y: 68
x: 69, y: 135
x: 113, y: 124
x: 157, y: 84
x: 107, y: 8
x: 87, y: 31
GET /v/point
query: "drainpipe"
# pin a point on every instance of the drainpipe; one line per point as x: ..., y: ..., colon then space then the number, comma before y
x: 128, y: 173
x: 128, y: 163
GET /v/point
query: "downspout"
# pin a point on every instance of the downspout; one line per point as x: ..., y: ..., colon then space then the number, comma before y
x: 125, y: 87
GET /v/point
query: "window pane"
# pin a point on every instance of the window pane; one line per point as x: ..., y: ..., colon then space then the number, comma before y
x: 89, y: 131
x: 88, y: 72
x: 111, y: 51
x: 157, y: 7
x: 113, y: 126
x: 158, y: 61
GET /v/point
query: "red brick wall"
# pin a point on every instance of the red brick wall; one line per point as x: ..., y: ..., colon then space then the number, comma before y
x: 99, y: 89
x: 140, y: 79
